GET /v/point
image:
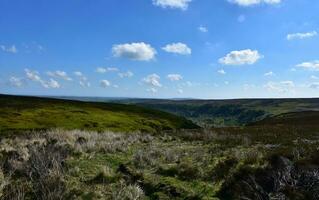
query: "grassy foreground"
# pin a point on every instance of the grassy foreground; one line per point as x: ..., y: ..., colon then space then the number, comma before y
x: 25, y: 113
x: 226, y: 164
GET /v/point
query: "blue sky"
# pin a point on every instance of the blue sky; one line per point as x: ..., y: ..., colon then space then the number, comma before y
x: 160, y: 48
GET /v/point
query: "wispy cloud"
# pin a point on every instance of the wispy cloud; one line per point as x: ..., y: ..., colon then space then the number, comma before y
x: 203, y: 29
x: 83, y: 81
x: 294, y: 36
x: 9, y: 49
x: 311, y: 65
x: 174, y: 77
x: 103, y: 70
x: 254, y: 2
x: 280, y: 87
x: 127, y: 74
x: 59, y: 74
x: 175, y: 4
x: 221, y: 71
x: 270, y: 73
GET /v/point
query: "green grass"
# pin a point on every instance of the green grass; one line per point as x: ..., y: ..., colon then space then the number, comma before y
x: 23, y: 113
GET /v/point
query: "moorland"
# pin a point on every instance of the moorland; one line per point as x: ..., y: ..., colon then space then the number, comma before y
x: 159, y: 149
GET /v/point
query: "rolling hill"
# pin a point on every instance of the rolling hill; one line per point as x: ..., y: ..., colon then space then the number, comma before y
x: 305, y: 118
x: 24, y: 113
x: 233, y: 112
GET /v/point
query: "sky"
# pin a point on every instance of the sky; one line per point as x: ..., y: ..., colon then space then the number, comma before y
x: 210, y: 49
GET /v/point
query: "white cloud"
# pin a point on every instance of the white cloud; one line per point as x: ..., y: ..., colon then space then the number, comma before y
x: 301, y: 36
x: 153, y: 80
x: 241, y: 18
x: 174, y: 77
x: 241, y: 57
x: 16, y: 82
x: 51, y: 84
x: 312, y: 65
x: 105, y: 83
x: 59, y: 74
x: 180, y: 91
x: 226, y: 82
x: 178, y: 48
x: 177, y: 4
x: 280, y: 87
x: 103, y: 70
x: 314, y: 85
x: 314, y: 77
x: 152, y: 90
x: 83, y: 80
x: 221, y: 71
x: 254, y: 2
x: 203, y: 29
x: 33, y: 75
x: 134, y: 51
x: 270, y: 73
x: 77, y: 73
x: 11, y: 49
x: 127, y: 74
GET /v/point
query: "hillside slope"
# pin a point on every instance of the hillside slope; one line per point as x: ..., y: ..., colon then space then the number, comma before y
x: 305, y: 118
x: 21, y: 112
x: 232, y: 112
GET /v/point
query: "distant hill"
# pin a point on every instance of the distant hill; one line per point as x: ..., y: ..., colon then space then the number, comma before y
x: 22, y: 112
x: 305, y: 118
x: 232, y: 112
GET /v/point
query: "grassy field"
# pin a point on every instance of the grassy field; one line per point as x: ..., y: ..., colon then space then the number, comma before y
x: 25, y: 113
x: 225, y: 164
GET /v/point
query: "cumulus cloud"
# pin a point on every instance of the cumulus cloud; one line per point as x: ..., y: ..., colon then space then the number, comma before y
x: 280, y: 87
x: 294, y: 36
x: 51, y: 84
x: 105, y: 83
x: 9, y: 49
x: 103, y: 70
x: 203, y: 29
x: 153, y: 80
x: 59, y: 74
x: 177, y: 48
x: 180, y: 91
x: 134, y: 51
x: 221, y: 71
x: 35, y: 76
x: 83, y: 81
x: 241, y: 57
x: 175, y: 4
x: 127, y: 74
x: 174, y: 77
x: 254, y: 2
x: 270, y: 73
x: 312, y: 65
x: 16, y: 82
